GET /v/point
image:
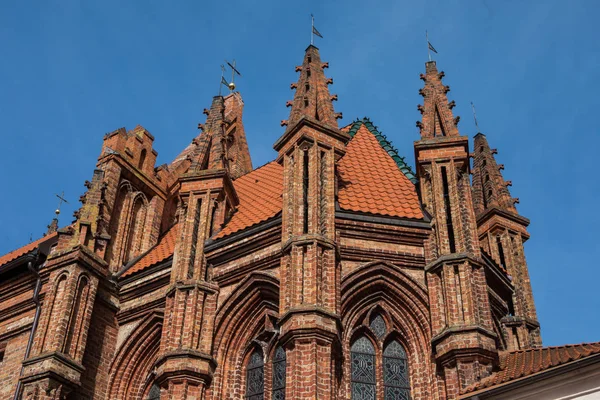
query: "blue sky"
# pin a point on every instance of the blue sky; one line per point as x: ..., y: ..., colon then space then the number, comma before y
x: 74, y: 70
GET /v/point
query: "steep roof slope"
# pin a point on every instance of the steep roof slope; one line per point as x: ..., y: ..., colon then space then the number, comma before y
x: 373, y: 178
x: 159, y: 253
x: 260, y: 194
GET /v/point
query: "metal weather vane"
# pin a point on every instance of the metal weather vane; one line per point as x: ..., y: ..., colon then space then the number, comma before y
x: 475, y: 117
x: 314, y: 31
x: 430, y: 47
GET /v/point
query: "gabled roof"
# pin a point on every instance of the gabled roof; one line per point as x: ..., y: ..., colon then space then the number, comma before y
x: 520, y: 364
x: 13, y: 255
x: 373, y: 178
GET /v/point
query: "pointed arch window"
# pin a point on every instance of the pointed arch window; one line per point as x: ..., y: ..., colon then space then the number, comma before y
x: 395, y: 372
x: 279, y: 369
x: 362, y: 355
x: 255, y: 376
x: 379, y: 364
x: 154, y: 393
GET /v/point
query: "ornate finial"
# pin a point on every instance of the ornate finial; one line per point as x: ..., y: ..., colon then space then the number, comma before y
x: 53, y: 227
x: 61, y: 199
x: 234, y: 71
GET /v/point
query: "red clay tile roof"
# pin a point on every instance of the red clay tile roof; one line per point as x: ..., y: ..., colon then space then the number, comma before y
x: 260, y: 194
x: 372, y: 182
x: 520, y: 364
x: 163, y: 250
x: 13, y: 255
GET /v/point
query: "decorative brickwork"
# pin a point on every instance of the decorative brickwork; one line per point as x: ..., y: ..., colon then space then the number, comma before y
x: 332, y: 272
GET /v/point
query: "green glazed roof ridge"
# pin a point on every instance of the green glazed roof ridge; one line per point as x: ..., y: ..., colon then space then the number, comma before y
x: 386, y: 145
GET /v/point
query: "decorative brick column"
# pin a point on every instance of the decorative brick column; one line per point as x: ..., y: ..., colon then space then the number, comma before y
x: 310, y: 272
x: 502, y: 232
x: 463, y: 338
x: 185, y: 366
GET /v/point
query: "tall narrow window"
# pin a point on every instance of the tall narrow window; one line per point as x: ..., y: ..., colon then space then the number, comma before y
x: 255, y: 377
x: 448, y: 209
x: 279, y: 367
x: 395, y: 372
x: 142, y: 159
x: 305, y: 190
x: 194, y: 238
x: 362, y: 354
x: 500, y: 251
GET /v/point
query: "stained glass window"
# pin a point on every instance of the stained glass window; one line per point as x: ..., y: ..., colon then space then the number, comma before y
x: 279, y: 374
x: 378, y: 326
x: 154, y: 392
x: 395, y: 372
x: 255, y: 376
x: 362, y: 354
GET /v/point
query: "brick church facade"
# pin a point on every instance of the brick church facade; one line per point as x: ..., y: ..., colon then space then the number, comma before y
x: 332, y: 272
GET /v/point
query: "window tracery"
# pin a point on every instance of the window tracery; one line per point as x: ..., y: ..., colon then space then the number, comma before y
x: 255, y: 376
x: 279, y: 370
x: 378, y: 365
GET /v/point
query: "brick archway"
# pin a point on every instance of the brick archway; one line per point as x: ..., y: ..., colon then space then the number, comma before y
x: 135, y: 360
x: 405, y: 303
x: 244, y: 316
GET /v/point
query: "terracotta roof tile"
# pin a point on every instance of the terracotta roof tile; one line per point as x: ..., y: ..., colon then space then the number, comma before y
x: 260, y: 194
x: 163, y: 250
x: 371, y: 180
x: 13, y: 255
x: 523, y: 363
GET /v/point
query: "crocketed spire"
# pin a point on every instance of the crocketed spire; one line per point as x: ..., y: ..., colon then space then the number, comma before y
x: 437, y: 120
x: 312, y: 98
x: 489, y: 187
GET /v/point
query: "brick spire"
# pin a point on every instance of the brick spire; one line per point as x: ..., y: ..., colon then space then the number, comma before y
x: 221, y: 143
x: 312, y: 98
x: 217, y: 158
x: 437, y: 119
x: 489, y: 187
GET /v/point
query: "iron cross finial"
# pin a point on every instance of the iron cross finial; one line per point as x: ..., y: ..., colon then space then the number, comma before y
x: 61, y: 199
